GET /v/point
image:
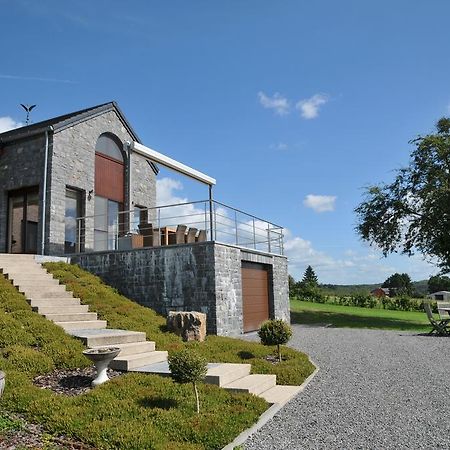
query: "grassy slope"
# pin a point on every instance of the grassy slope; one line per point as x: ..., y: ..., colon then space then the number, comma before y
x: 354, y: 317
x: 132, y: 411
x: 123, y: 313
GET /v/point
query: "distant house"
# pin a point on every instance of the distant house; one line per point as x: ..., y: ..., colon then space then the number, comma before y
x: 440, y: 295
x: 381, y: 292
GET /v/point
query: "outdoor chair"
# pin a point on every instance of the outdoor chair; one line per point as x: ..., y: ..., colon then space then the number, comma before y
x: 179, y: 236
x: 441, y: 326
x: 443, y: 314
x: 201, y: 236
x: 146, y: 230
x: 190, y: 238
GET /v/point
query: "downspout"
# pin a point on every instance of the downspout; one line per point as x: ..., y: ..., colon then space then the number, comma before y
x: 130, y: 203
x: 44, y: 188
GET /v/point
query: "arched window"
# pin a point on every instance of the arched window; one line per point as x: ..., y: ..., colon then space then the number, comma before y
x: 109, y: 191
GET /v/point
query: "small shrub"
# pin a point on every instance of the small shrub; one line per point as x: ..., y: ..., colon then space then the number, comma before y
x: 188, y: 366
x: 275, y: 332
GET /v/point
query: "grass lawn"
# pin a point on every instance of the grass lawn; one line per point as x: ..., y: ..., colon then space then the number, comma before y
x: 354, y: 317
x: 134, y: 410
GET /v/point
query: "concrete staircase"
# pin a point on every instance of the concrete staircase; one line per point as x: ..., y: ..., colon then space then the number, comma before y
x: 51, y: 299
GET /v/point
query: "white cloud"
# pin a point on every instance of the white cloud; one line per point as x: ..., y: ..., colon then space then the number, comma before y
x: 320, y: 203
x: 279, y: 146
x: 309, y: 108
x: 277, y: 102
x: 8, y: 123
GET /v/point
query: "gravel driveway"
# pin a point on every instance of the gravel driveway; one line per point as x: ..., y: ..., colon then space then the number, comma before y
x: 374, y: 390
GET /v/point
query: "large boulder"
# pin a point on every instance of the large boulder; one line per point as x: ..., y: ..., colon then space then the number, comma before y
x: 190, y: 325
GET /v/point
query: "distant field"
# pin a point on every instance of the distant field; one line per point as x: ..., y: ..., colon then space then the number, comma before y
x: 354, y: 317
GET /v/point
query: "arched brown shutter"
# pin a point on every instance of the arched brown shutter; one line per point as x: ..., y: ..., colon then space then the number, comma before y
x: 109, y: 178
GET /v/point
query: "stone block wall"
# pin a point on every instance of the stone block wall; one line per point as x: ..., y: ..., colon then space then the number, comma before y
x: 72, y: 165
x: 21, y: 165
x: 203, y: 277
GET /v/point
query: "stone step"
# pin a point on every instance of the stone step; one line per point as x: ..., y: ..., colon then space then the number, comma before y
x: 107, y: 337
x: 53, y: 293
x: 83, y: 325
x: 253, y: 384
x: 222, y: 374
x: 27, y: 284
x: 67, y: 309
x: 280, y: 394
x: 134, y: 348
x: 28, y: 276
x: 54, y: 301
x: 23, y: 269
x: 71, y: 317
x: 129, y: 362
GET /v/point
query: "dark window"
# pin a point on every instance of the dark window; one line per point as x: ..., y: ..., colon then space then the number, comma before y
x: 108, y: 146
x: 73, y: 224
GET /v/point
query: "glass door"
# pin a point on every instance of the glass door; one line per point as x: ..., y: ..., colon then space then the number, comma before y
x: 23, y: 221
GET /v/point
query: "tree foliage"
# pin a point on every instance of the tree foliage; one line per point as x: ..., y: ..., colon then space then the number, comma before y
x: 412, y: 214
x: 310, y: 277
x: 275, y: 332
x: 438, y: 283
x: 187, y: 366
x: 400, y: 283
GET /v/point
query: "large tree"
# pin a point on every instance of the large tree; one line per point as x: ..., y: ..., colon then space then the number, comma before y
x: 412, y: 214
x: 399, y: 283
x: 310, y: 277
x: 438, y: 283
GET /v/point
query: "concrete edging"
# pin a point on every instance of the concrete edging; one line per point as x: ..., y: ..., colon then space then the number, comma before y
x: 268, y: 414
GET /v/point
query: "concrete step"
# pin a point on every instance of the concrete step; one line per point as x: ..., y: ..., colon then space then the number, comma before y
x: 29, y: 276
x: 280, y: 394
x: 23, y: 269
x: 222, y: 374
x: 82, y: 325
x: 108, y: 337
x: 134, y: 348
x: 128, y: 362
x: 253, y: 384
x: 54, y: 301
x: 71, y: 317
x: 27, y: 284
x: 47, y: 293
x: 68, y: 309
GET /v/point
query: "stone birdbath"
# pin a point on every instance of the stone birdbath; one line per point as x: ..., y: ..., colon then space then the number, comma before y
x: 101, y: 357
x: 2, y: 382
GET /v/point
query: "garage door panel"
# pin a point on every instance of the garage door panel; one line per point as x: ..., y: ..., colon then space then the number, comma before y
x: 255, y: 295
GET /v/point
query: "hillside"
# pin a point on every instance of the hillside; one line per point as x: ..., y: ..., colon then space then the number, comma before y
x: 420, y: 287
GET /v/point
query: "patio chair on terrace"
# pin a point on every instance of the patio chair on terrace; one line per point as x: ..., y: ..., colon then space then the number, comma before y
x: 190, y: 238
x: 179, y: 236
x: 441, y: 326
x: 146, y: 230
x: 201, y: 236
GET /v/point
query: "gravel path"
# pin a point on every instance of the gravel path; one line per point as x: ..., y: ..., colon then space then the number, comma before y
x: 374, y: 390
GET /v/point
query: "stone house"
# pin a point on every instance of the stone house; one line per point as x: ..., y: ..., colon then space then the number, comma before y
x: 66, y: 182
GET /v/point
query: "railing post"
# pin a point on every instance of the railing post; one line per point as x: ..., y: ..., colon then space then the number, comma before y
x: 211, y: 213
x: 206, y: 218
x: 78, y: 247
x: 236, y: 227
x: 268, y: 236
x: 254, y: 234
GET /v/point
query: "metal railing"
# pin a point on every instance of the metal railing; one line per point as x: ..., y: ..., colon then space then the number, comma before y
x: 208, y: 220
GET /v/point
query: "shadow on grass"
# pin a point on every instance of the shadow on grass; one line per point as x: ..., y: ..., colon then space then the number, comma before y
x: 354, y: 321
x: 158, y: 402
x: 246, y: 355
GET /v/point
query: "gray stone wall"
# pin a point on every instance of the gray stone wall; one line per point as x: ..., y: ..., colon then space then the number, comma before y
x: 228, y: 290
x: 170, y: 278
x: 21, y: 165
x: 73, y: 164
x: 203, y: 277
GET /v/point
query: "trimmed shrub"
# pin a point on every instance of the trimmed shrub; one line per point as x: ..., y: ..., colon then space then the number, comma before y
x: 275, y: 332
x: 187, y: 366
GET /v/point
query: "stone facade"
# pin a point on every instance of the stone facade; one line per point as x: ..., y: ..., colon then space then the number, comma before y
x: 71, y: 164
x: 204, y: 277
x: 21, y: 166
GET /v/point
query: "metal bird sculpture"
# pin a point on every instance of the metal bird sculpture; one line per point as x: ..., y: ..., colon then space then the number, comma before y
x: 28, y: 109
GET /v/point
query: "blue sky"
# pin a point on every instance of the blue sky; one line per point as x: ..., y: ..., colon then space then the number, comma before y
x: 293, y: 106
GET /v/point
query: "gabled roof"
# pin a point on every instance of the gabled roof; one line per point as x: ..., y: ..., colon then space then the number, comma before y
x: 67, y: 120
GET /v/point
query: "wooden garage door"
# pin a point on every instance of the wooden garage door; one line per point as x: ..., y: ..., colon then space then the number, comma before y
x: 255, y: 295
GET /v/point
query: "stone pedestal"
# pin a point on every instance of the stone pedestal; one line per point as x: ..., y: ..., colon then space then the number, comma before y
x: 190, y: 325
